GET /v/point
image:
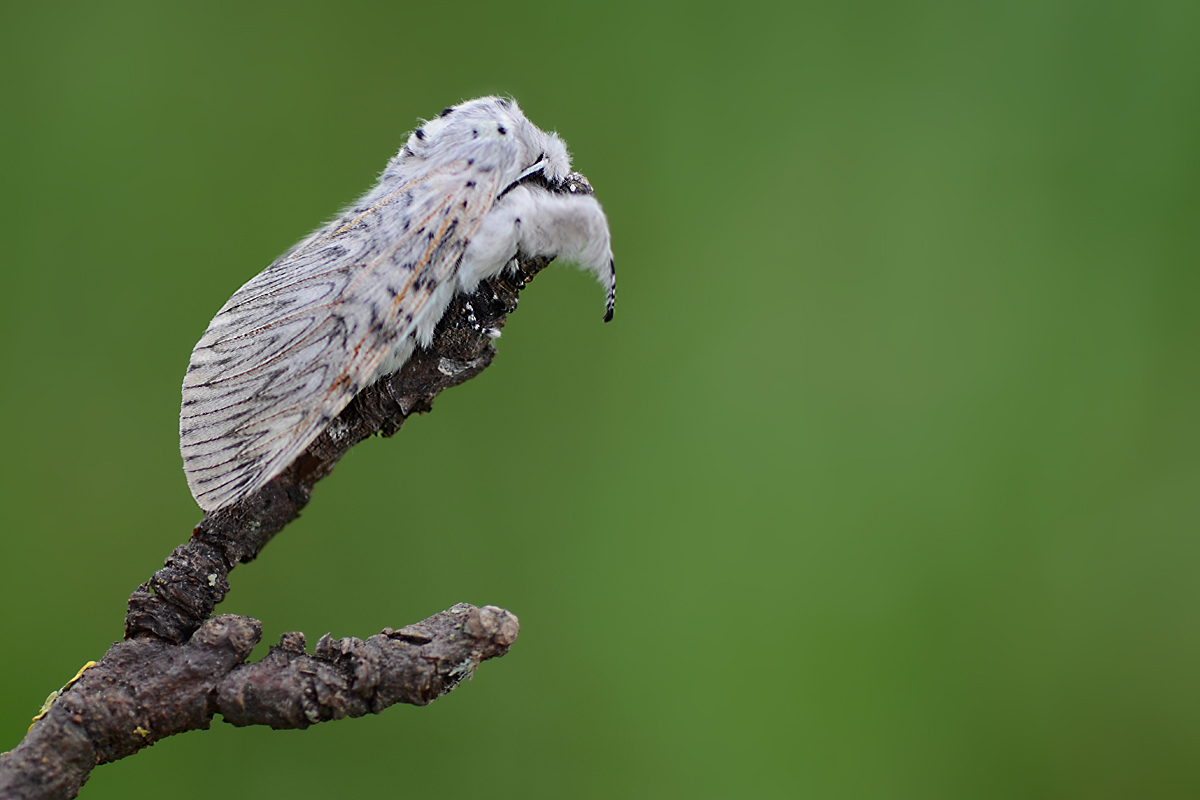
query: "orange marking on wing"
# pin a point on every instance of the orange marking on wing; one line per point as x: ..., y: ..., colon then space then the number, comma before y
x: 339, y: 385
x: 377, y: 206
x: 343, y: 380
x: 424, y: 260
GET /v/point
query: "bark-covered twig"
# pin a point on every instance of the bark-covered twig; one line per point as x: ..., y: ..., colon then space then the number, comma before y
x: 146, y: 689
x: 179, y: 665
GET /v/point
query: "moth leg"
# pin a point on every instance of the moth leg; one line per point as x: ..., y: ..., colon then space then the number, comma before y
x: 538, y: 222
x: 494, y: 244
x: 571, y: 227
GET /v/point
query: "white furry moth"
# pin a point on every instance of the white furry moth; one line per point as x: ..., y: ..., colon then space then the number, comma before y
x: 469, y: 191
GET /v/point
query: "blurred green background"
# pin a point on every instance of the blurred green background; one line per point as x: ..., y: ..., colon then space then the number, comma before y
x: 883, y: 483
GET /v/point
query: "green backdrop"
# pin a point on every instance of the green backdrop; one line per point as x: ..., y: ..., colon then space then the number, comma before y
x: 883, y: 483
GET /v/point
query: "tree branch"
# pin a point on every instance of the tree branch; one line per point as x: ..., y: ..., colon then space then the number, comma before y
x: 179, y: 665
x: 146, y: 689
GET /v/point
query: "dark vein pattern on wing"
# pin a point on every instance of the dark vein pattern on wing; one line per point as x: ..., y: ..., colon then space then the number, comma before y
x: 294, y: 345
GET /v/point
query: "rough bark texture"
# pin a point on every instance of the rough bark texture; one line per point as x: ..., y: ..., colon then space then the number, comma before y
x: 146, y: 689
x: 179, y: 665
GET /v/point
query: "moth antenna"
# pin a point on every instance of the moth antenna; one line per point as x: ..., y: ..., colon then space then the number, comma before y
x: 612, y: 290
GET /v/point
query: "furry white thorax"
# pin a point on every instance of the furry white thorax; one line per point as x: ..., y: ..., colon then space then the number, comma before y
x: 484, y: 129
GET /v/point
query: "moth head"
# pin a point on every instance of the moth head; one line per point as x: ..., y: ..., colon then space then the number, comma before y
x: 538, y: 152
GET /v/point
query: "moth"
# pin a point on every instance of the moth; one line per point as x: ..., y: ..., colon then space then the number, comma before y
x: 468, y: 193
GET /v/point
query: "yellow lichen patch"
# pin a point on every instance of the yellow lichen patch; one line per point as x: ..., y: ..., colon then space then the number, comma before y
x: 79, y: 674
x: 46, y: 706
x: 54, y: 695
